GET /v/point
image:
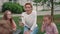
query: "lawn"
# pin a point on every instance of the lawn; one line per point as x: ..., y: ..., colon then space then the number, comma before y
x: 39, y: 22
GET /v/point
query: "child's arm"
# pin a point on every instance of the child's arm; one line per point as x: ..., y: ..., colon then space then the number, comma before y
x: 14, y: 26
x: 56, y: 33
x: 55, y: 29
x: 43, y: 27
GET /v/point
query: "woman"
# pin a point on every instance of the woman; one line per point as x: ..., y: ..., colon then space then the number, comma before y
x: 29, y: 19
x: 9, y: 25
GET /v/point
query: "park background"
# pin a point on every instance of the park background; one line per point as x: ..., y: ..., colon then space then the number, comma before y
x: 43, y: 7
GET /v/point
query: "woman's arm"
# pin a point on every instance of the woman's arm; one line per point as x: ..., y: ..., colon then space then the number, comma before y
x: 23, y: 20
x: 34, y: 21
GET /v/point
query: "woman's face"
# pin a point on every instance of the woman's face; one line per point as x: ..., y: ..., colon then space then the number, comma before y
x: 9, y: 15
x: 47, y: 20
x: 28, y: 8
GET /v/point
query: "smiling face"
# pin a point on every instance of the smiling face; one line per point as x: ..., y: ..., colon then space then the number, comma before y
x: 28, y: 7
x: 7, y: 14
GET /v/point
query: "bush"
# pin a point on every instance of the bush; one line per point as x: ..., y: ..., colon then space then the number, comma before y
x: 13, y: 7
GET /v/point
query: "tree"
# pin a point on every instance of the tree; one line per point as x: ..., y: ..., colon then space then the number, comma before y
x: 37, y: 1
x: 44, y: 2
x: 52, y: 8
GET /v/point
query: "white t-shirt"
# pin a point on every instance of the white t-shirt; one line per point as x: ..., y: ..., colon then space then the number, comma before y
x: 30, y: 20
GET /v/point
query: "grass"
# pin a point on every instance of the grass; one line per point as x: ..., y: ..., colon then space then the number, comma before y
x: 1, y: 13
x: 39, y: 22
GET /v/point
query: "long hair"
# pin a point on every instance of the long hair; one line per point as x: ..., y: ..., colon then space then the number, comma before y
x: 5, y: 16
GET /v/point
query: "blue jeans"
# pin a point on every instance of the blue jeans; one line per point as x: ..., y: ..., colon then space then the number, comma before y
x: 35, y: 31
x: 17, y: 31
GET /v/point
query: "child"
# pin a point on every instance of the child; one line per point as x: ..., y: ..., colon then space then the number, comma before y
x: 7, y: 24
x: 48, y: 25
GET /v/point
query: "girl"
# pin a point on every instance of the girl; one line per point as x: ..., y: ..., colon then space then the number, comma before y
x: 11, y: 24
x: 48, y: 25
x: 29, y: 19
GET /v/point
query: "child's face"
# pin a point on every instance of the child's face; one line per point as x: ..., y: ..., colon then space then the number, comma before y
x: 8, y: 15
x: 47, y: 20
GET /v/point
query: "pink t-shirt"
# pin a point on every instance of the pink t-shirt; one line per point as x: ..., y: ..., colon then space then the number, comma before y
x: 52, y: 29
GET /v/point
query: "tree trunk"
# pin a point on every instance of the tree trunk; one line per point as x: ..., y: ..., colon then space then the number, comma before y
x: 36, y: 7
x: 52, y: 8
x: 43, y: 7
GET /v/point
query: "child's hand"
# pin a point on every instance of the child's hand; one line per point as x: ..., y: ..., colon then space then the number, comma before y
x: 43, y: 27
x: 44, y: 24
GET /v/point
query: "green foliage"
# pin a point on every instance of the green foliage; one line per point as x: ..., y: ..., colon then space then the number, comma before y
x: 13, y: 7
x: 37, y: 1
x: 57, y: 3
x: 44, y: 1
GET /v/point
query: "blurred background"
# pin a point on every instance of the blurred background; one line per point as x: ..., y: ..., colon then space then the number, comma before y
x: 43, y: 7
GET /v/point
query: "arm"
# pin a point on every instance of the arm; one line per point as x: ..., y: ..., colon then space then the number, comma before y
x: 23, y: 21
x: 55, y: 29
x: 14, y: 26
x: 34, y: 21
x: 56, y: 33
x: 42, y: 28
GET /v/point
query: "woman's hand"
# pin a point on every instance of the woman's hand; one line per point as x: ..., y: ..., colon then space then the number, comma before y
x: 21, y: 24
x: 28, y: 32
